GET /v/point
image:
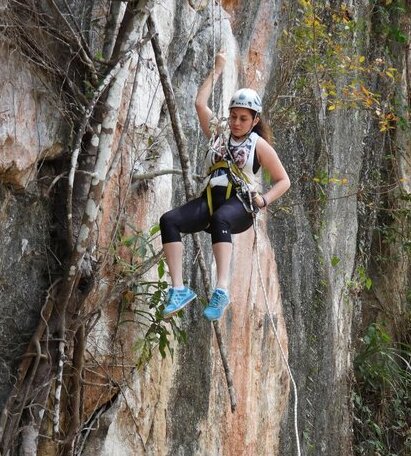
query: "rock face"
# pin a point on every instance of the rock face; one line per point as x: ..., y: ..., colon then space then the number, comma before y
x: 180, y: 405
x: 183, y: 406
x: 29, y: 123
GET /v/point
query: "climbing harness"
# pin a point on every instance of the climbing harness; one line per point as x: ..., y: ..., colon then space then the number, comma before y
x: 237, y: 179
x: 219, y: 165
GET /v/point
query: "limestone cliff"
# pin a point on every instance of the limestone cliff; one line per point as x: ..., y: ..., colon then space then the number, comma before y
x: 76, y: 261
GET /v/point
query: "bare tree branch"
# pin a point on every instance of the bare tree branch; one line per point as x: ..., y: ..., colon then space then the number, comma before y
x: 161, y: 172
x: 178, y: 131
x: 85, y: 56
x: 75, y: 390
x: 116, y: 14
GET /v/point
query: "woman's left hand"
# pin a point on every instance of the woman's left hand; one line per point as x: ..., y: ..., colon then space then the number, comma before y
x: 259, y: 201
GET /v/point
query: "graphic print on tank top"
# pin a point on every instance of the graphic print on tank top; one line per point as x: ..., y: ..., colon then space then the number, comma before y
x: 240, y: 152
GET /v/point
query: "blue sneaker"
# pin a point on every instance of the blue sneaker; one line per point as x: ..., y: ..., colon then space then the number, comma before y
x: 216, y: 307
x: 177, y: 300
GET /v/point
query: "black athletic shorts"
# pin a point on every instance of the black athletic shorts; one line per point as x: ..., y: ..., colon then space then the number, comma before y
x: 229, y: 217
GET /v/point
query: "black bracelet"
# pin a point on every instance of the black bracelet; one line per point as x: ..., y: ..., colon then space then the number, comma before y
x: 265, y: 201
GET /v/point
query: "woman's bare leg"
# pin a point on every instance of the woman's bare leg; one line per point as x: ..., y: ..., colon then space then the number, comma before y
x: 222, y: 254
x: 174, y: 257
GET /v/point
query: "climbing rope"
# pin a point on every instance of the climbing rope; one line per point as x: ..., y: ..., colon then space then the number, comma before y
x: 214, y: 54
x: 220, y: 22
x: 220, y: 38
x: 274, y: 328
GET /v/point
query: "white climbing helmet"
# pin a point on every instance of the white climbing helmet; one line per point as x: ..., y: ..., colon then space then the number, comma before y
x: 246, y: 98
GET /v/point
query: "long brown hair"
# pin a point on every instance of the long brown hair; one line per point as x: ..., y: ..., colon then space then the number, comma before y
x: 263, y: 129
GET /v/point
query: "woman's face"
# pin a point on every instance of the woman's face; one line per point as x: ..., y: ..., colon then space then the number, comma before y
x: 241, y: 121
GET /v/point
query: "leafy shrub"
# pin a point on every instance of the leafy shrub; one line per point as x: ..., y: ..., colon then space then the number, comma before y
x: 382, y: 395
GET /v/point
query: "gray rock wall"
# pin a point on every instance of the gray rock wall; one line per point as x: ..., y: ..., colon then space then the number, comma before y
x: 24, y: 235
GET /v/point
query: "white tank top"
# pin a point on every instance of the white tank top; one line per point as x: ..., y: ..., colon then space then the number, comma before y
x: 243, y: 153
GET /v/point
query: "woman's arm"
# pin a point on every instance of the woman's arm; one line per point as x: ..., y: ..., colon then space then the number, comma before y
x: 269, y: 160
x: 203, y: 111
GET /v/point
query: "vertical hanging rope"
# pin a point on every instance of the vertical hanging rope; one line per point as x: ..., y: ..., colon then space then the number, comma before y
x: 220, y: 112
x: 274, y: 328
x: 214, y: 53
x: 186, y: 167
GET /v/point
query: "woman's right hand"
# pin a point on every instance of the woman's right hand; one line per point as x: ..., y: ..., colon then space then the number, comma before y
x: 220, y: 60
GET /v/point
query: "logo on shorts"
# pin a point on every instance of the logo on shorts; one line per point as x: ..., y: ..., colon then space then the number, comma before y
x: 224, y: 231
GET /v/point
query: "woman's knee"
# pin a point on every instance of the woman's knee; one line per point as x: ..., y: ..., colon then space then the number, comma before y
x: 168, y: 228
x: 220, y: 228
x: 164, y: 220
x: 219, y: 218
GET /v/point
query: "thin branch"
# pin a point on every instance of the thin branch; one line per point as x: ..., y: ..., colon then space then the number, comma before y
x: 176, y: 125
x: 75, y: 391
x: 85, y: 57
x: 59, y: 380
x: 161, y: 172
x: 79, y: 31
x: 117, y: 9
x: 54, y: 182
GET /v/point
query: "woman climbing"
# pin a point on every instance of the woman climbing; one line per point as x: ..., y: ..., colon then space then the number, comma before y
x: 225, y: 207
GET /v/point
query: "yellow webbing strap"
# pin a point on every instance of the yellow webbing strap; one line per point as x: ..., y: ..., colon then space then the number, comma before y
x: 237, y: 171
x: 218, y: 165
x: 210, y: 197
x: 209, y: 200
x: 228, y: 192
x: 234, y: 168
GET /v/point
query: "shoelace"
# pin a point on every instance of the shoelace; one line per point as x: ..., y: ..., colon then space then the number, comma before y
x: 216, y: 300
x: 177, y: 295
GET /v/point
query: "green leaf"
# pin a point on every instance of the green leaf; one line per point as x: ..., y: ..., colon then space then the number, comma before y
x: 398, y: 35
x: 163, y: 344
x: 161, y: 269
x: 334, y: 261
x: 154, y: 229
x: 129, y: 241
x: 99, y: 55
